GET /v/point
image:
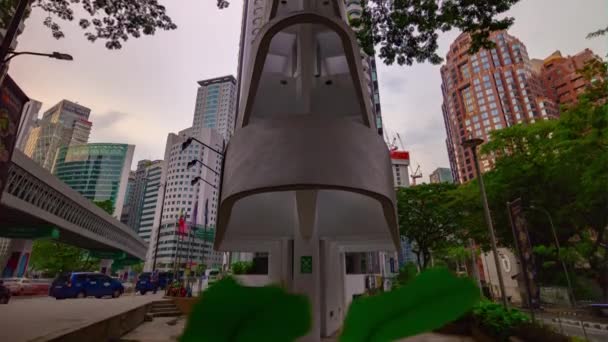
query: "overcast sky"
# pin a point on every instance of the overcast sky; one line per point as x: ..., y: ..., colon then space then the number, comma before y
x: 148, y: 88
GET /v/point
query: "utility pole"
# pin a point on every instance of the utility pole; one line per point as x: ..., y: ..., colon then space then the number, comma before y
x: 472, y: 144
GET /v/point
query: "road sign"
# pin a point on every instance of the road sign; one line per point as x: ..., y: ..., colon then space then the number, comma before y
x: 205, y: 234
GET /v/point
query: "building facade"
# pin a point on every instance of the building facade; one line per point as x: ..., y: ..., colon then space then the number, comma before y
x: 354, y: 10
x: 216, y: 105
x: 441, y: 175
x: 99, y: 171
x: 195, y: 202
x: 146, y: 188
x: 400, y: 161
x: 560, y: 78
x: 127, y: 211
x: 29, y: 119
x: 65, y: 124
x: 489, y: 90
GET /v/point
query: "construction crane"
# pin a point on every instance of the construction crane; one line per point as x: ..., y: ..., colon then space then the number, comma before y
x: 416, y: 174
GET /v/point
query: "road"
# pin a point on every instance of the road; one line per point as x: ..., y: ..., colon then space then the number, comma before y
x: 594, y: 335
x: 29, y: 319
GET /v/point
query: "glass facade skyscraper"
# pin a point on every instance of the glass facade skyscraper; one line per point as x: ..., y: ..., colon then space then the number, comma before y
x: 65, y: 124
x: 99, y: 172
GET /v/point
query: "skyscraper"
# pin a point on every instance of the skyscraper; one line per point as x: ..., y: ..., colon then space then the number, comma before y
x: 65, y: 124
x: 141, y: 203
x: 559, y: 75
x: 489, y: 90
x: 29, y: 119
x: 197, y: 202
x: 99, y: 172
x: 216, y: 105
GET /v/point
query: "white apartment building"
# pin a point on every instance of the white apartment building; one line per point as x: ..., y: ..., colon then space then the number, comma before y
x: 197, y: 201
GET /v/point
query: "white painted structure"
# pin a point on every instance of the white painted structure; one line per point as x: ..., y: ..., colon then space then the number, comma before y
x: 304, y: 117
x: 509, y: 268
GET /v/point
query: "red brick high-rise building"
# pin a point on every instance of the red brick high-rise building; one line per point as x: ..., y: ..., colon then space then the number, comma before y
x: 559, y: 75
x: 489, y: 90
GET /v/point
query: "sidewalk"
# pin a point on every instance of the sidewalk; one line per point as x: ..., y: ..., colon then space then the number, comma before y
x: 160, y: 329
x: 37, y: 319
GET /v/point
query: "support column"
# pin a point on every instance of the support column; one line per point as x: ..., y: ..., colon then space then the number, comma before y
x: 18, y: 258
x: 105, y: 266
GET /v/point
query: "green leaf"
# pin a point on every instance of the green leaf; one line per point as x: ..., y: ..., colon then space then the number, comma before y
x: 431, y: 300
x: 231, y: 312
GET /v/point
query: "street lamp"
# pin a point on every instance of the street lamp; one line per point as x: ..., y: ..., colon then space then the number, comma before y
x: 472, y: 143
x: 546, y: 212
x: 194, y: 161
x: 55, y: 55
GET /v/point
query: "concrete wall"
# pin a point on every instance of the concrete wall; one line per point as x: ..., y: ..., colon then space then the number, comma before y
x: 253, y: 280
x: 333, y: 310
x: 353, y: 284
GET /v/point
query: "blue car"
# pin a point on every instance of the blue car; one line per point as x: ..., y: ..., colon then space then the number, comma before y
x: 85, y: 284
x: 145, y: 283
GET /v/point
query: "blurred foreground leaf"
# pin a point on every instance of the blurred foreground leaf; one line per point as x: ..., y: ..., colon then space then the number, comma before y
x: 231, y: 312
x: 428, y: 302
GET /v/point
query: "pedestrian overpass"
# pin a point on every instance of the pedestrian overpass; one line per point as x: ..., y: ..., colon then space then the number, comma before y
x: 35, y: 204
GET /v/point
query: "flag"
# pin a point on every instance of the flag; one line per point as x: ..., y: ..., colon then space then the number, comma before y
x: 181, y: 225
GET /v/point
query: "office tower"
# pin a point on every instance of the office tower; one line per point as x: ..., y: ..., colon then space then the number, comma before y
x: 141, y: 203
x: 216, y: 105
x: 488, y: 90
x: 99, y: 171
x: 441, y: 175
x: 29, y: 120
x: 560, y: 76
x: 65, y: 124
x: 127, y: 211
x: 195, y: 202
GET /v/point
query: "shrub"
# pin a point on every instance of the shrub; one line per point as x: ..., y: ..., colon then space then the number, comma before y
x: 498, y: 321
x: 242, y: 267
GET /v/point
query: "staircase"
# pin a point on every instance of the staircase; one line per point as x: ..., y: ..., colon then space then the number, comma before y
x: 164, y: 308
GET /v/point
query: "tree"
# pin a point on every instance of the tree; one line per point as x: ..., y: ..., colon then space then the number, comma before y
x: 53, y: 257
x: 112, y: 21
x: 430, y: 217
x: 561, y: 166
x: 106, y: 205
x: 407, y: 30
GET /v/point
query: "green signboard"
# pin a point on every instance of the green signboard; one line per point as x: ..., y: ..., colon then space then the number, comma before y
x: 108, y: 255
x: 205, y: 234
x: 305, y: 264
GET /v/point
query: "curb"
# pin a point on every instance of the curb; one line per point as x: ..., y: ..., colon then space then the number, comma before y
x: 595, y: 325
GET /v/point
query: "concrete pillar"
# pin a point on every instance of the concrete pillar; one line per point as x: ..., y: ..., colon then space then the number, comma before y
x: 105, y: 266
x: 18, y: 258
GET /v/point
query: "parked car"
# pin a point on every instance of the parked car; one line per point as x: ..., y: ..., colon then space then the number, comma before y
x: 145, y: 283
x: 26, y: 286
x: 85, y: 284
x: 5, y: 293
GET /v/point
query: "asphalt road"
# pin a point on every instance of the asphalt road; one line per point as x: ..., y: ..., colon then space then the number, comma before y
x: 29, y: 319
x: 594, y: 335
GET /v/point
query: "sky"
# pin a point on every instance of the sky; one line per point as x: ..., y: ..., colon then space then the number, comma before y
x: 147, y: 89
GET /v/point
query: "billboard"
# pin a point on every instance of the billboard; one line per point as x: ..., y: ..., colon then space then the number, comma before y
x: 519, y: 227
x: 12, y: 100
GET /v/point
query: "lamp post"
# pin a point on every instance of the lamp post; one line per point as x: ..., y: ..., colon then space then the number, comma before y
x: 160, y: 225
x: 546, y: 212
x: 472, y: 143
x: 55, y: 55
